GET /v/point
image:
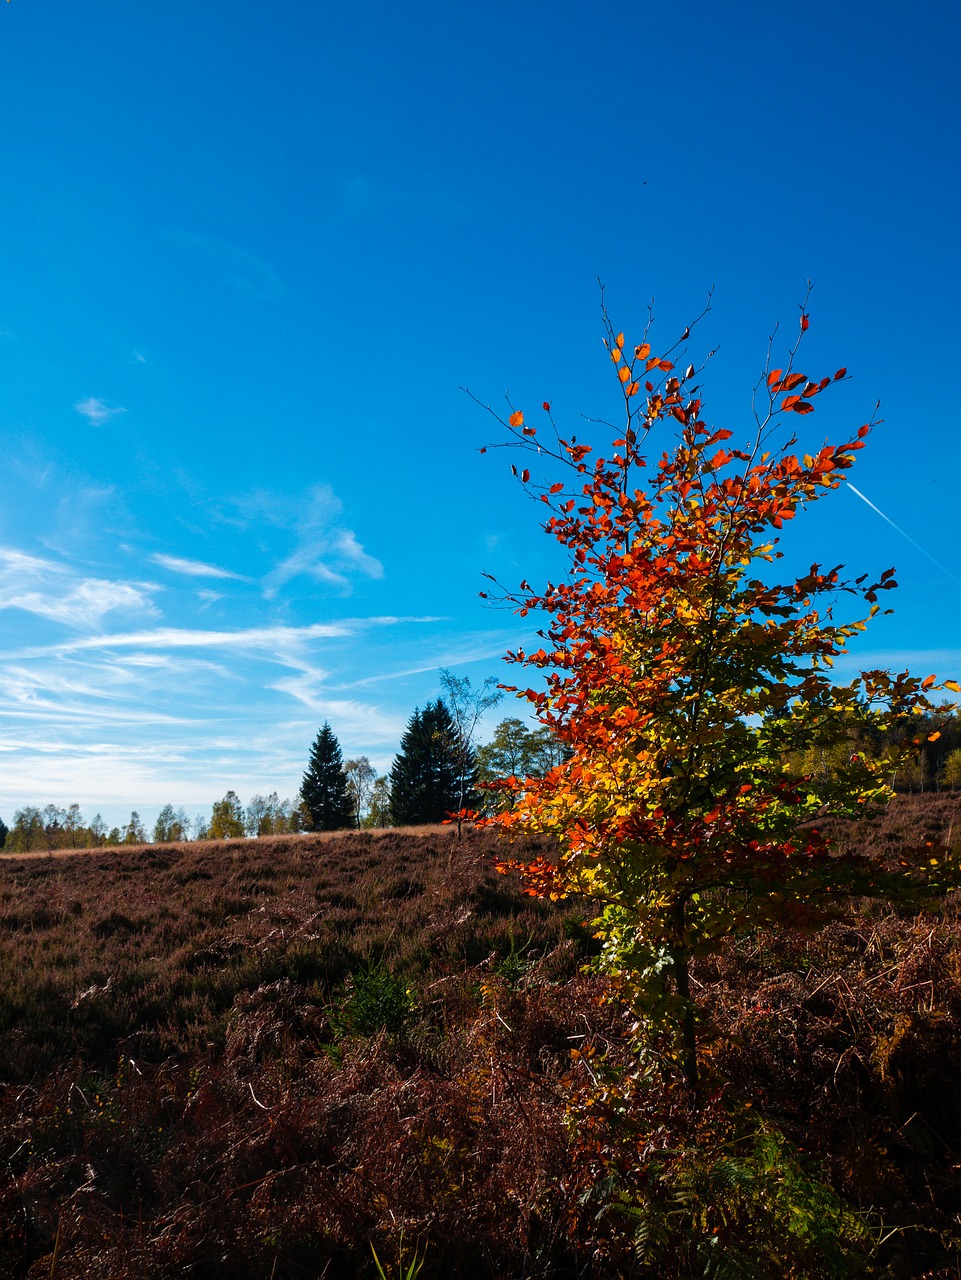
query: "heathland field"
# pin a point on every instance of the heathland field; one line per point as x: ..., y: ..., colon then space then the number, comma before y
x: 258, y: 1058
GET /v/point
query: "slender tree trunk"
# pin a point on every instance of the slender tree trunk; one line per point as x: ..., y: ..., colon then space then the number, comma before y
x: 682, y: 980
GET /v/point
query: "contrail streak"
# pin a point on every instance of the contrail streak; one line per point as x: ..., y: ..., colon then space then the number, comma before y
x: 942, y: 567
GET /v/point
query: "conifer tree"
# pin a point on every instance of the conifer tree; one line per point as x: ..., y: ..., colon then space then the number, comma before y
x: 427, y: 774
x: 324, y: 789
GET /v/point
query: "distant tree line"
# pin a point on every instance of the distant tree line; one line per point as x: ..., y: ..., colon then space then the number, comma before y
x: 933, y: 763
x: 437, y: 772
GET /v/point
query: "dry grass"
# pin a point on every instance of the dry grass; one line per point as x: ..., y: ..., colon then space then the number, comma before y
x: 252, y: 1058
x: 310, y: 837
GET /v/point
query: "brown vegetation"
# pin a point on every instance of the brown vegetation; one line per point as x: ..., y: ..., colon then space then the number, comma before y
x: 256, y: 1058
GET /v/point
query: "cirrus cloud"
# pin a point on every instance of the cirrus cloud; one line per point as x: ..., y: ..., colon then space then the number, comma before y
x: 96, y: 411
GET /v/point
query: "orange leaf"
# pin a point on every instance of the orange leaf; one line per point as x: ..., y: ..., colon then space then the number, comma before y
x: 624, y: 373
x: 792, y: 380
x: 619, y: 340
x: 633, y: 389
x: 666, y: 365
x: 643, y: 351
x: 516, y: 419
x: 773, y: 376
x: 863, y: 431
x: 926, y: 684
x: 789, y: 402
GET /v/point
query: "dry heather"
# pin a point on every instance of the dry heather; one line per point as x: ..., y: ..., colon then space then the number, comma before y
x: 255, y: 1058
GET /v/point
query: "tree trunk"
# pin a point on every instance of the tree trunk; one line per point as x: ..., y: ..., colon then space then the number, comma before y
x: 682, y: 980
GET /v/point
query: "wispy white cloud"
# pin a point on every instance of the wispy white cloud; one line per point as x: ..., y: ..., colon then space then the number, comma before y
x: 324, y: 550
x: 54, y: 591
x: 192, y: 568
x: 278, y: 639
x: 97, y: 412
x: 239, y: 267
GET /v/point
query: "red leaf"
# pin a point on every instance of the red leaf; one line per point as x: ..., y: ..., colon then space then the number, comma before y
x: 863, y: 431
x: 793, y: 380
x: 789, y: 402
x: 525, y: 476
x: 804, y: 322
x: 546, y: 406
x: 840, y: 374
x: 773, y: 376
x: 803, y: 406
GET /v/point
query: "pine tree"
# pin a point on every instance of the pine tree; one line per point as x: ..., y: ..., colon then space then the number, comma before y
x: 428, y: 772
x: 324, y: 788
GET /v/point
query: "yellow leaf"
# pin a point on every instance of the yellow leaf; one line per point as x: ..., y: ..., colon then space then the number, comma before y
x: 953, y: 686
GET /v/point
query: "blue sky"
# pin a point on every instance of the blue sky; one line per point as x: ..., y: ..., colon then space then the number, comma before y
x: 250, y: 255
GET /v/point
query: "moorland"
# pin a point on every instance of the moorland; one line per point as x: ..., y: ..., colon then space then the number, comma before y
x: 259, y: 1058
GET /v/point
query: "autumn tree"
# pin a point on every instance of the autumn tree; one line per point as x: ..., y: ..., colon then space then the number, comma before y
x: 378, y: 809
x: 28, y: 831
x: 261, y: 815
x: 361, y: 776
x: 226, y: 819
x: 324, y: 788
x: 134, y: 832
x: 172, y: 826
x: 467, y: 707
x: 680, y: 672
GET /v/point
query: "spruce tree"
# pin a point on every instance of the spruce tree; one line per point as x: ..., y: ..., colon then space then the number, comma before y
x: 427, y: 774
x: 324, y: 789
